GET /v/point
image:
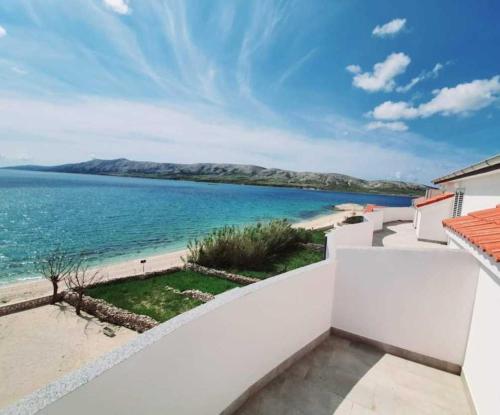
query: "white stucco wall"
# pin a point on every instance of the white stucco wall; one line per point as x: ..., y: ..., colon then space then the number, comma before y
x: 419, y: 300
x: 398, y: 213
x: 204, y: 364
x: 482, y: 359
x: 377, y: 218
x: 358, y: 234
x: 430, y: 220
x: 481, y: 191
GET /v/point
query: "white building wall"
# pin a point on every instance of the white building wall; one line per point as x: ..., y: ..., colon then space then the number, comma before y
x: 430, y: 220
x: 480, y: 192
x: 482, y: 359
x: 377, y: 218
x: 208, y: 359
x: 419, y: 300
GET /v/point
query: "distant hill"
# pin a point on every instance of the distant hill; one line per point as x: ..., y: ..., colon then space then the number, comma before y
x: 233, y: 173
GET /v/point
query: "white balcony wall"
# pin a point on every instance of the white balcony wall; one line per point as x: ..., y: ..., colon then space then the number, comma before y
x: 418, y: 300
x: 482, y: 360
x: 358, y: 234
x: 398, y: 213
x: 208, y: 361
x: 430, y: 220
x: 377, y: 218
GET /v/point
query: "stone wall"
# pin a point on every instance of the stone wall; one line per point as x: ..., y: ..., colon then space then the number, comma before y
x: 26, y: 305
x: 111, y: 314
x: 240, y: 279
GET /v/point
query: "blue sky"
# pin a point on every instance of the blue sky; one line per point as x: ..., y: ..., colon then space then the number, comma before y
x: 375, y: 89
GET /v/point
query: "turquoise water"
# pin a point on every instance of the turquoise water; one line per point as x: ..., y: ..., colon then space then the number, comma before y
x: 114, y: 218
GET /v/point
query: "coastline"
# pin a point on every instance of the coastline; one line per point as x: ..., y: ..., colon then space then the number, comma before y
x: 37, y: 287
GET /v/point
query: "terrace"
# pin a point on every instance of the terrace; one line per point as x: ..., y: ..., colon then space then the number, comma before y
x: 346, y: 377
x: 402, y: 234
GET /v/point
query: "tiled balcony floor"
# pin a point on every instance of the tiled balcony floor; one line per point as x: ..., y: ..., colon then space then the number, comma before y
x: 342, y: 377
x: 401, y: 235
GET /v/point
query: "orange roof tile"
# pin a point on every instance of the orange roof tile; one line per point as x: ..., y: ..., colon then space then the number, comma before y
x: 481, y: 228
x: 370, y: 208
x: 435, y: 199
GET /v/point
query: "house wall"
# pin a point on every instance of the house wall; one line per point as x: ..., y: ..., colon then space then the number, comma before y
x: 482, y: 359
x: 418, y: 300
x: 430, y: 221
x: 202, y: 360
x: 481, y: 191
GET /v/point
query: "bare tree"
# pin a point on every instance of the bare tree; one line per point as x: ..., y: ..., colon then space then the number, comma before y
x: 79, y: 279
x: 55, y: 267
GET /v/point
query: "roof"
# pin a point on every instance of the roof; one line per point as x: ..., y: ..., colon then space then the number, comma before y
x: 371, y: 208
x: 481, y: 228
x: 434, y: 199
x: 485, y: 166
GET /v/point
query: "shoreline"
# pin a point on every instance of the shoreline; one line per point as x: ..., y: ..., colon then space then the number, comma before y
x: 23, y: 290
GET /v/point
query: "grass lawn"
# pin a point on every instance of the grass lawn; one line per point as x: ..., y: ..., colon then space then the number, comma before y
x: 152, y: 297
x: 296, y: 259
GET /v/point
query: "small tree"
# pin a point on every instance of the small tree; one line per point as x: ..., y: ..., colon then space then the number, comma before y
x: 55, y: 267
x: 79, y: 279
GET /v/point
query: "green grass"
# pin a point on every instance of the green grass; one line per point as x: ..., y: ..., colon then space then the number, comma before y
x: 317, y: 237
x: 296, y: 259
x: 190, y: 280
x: 151, y: 297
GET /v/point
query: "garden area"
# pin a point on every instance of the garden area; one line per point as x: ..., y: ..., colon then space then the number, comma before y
x: 160, y: 297
x: 223, y: 260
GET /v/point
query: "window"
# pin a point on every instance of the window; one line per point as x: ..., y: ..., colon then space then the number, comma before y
x: 457, y: 204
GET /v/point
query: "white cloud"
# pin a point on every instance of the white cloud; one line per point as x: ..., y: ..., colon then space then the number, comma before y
x: 118, y: 6
x: 382, y: 77
x: 461, y: 99
x: 3, y: 32
x: 422, y: 77
x: 393, y: 126
x: 389, y: 29
x: 353, y: 68
x: 394, y: 111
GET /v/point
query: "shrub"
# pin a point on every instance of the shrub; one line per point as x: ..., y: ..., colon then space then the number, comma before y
x: 354, y: 219
x: 251, y: 247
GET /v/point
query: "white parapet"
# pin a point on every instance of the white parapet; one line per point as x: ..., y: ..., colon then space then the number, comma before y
x: 419, y: 300
x: 202, y: 360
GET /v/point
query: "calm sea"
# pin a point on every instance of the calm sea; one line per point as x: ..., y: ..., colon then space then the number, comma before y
x: 116, y: 218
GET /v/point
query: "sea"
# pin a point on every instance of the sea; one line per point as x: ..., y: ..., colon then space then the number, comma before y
x: 111, y: 219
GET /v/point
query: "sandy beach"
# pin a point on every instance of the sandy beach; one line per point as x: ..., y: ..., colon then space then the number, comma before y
x: 40, y: 345
x: 21, y: 291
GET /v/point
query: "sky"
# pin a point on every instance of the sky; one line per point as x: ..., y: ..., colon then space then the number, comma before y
x: 376, y: 89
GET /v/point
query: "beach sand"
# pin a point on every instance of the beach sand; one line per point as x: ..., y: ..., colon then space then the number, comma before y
x: 40, y: 345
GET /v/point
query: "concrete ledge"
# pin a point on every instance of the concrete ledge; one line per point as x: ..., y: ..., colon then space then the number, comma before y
x: 278, y: 370
x: 403, y: 353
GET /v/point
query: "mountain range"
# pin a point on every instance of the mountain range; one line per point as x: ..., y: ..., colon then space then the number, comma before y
x: 233, y: 173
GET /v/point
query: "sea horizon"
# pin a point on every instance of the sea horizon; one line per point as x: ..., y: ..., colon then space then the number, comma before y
x: 113, y: 219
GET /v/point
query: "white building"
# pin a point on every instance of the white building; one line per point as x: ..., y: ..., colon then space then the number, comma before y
x: 475, y: 187
x: 466, y: 190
